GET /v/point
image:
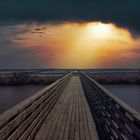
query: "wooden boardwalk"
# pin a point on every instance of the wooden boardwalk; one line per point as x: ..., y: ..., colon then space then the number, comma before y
x: 61, y: 112
x: 70, y: 119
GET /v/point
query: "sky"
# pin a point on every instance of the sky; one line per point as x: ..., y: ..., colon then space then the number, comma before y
x: 69, y: 34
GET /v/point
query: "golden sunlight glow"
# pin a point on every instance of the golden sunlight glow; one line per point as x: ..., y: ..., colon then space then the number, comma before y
x: 81, y: 45
x: 100, y: 30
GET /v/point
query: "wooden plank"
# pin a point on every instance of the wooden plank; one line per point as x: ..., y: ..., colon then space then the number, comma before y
x: 76, y: 123
x: 83, y: 117
x: 90, y: 122
x: 40, y: 118
x: 59, y: 125
x: 71, y: 118
x: 51, y: 120
x: 33, y: 118
x: 17, y: 109
x: 71, y: 131
x: 65, y: 118
x: 67, y: 127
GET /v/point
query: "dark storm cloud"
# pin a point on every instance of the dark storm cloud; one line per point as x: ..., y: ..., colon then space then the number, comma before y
x: 19, y: 38
x: 38, y: 29
x: 34, y: 32
x: 124, y: 13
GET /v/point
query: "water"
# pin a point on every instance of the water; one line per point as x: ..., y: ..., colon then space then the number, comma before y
x: 11, y: 95
x: 130, y: 94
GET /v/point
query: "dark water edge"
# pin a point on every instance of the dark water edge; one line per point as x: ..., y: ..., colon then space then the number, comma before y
x: 12, y: 95
x: 130, y: 94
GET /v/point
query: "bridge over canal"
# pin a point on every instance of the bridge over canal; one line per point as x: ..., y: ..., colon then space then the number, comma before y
x: 74, y: 107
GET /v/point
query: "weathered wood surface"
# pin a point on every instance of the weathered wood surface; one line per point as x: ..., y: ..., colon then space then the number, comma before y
x: 71, y: 118
x: 114, y: 119
x: 59, y: 112
x: 24, y: 119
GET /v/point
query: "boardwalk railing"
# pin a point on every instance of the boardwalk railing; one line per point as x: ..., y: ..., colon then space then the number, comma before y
x: 114, y: 119
x: 23, y: 120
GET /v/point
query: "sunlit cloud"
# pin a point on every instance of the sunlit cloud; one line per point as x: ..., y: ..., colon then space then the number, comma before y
x: 76, y: 45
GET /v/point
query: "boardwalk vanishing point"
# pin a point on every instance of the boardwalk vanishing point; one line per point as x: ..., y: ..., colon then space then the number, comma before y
x: 74, y: 107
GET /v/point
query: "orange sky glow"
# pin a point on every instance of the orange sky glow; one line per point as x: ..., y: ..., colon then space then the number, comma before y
x: 81, y: 45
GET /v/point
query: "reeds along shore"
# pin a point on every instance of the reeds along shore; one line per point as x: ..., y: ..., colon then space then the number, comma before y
x: 131, y: 78
x: 28, y: 79
x: 25, y: 78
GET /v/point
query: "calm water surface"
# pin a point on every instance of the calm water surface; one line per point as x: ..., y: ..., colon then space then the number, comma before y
x: 130, y: 94
x: 11, y: 95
